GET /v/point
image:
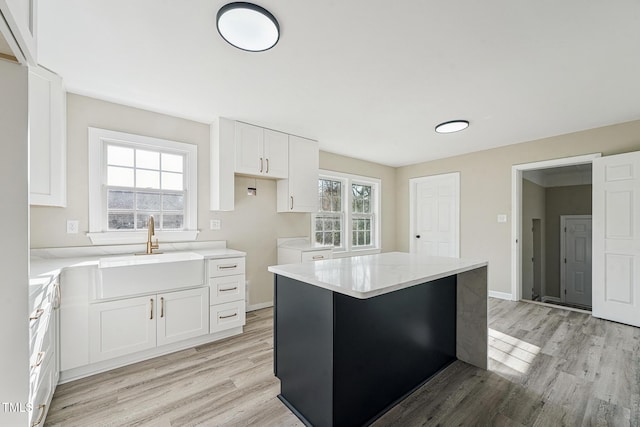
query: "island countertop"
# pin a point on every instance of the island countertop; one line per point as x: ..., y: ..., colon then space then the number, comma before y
x: 372, y: 275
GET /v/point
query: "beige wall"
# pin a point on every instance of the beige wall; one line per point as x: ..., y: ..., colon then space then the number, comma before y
x: 252, y: 227
x: 570, y: 200
x: 485, y: 187
x: 533, y: 207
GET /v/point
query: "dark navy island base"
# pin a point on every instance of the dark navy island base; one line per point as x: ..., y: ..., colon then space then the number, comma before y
x: 344, y: 361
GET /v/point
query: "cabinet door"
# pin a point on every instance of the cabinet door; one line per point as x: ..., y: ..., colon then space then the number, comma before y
x: 299, y: 193
x: 249, y: 149
x: 182, y: 315
x: 20, y: 16
x: 276, y: 153
x: 47, y: 138
x: 117, y: 328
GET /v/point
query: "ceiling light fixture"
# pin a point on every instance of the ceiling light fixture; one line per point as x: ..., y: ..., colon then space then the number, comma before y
x: 248, y: 26
x: 452, y: 126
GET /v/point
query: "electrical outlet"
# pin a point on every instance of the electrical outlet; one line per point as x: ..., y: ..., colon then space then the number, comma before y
x: 502, y: 218
x: 72, y: 226
x: 214, y: 224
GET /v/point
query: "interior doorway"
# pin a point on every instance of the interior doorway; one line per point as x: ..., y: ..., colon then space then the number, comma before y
x: 541, y: 193
x: 575, y: 261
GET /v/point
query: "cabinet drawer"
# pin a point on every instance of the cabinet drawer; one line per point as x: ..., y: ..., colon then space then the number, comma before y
x: 316, y: 255
x: 226, y: 267
x: 226, y: 289
x: 40, y: 397
x: 226, y: 316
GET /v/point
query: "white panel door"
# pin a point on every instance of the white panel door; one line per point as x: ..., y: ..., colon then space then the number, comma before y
x: 182, y: 315
x: 121, y: 327
x: 436, y: 215
x: 577, y: 261
x: 276, y: 153
x: 249, y: 149
x: 616, y: 238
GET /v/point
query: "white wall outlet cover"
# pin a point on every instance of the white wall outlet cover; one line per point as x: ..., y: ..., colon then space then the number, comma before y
x: 215, y: 224
x: 502, y: 218
x: 72, y: 226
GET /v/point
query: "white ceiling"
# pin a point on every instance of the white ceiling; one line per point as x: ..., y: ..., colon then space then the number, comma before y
x: 368, y: 79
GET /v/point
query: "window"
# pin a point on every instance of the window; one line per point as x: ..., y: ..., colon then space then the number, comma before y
x: 132, y: 177
x: 348, y: 213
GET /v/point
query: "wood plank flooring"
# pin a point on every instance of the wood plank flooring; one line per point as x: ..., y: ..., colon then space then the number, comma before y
x: 547, y: 367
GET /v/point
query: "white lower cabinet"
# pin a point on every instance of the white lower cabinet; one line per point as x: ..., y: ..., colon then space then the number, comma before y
x: 227, y: 291
x: 118, y: 328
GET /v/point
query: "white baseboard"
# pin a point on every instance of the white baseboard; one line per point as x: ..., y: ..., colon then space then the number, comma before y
x: 254, y: 307
x: 501, y: 295
x: 552, y: 299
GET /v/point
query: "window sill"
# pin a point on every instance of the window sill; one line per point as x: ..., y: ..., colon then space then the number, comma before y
x: 127, y: 237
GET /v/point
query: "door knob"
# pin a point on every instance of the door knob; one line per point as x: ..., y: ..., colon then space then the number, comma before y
x: 417, y: 236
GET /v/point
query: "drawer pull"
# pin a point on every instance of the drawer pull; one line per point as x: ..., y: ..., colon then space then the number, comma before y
x: 39, y: 359
x: 226, y: 317
x: 39, y: 312
x: 260, y: 164
x: 267, y: 166
x: 228, y: 289
x: 318, y: 257
x: 42, y: 408
x: 227, y: 267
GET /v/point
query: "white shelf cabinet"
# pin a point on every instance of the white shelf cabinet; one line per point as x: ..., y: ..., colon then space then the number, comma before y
x: 299, y: 193
x: 118, y: 328
x: 47, y: 138
x: 261, y: 152
x: 20, y: 30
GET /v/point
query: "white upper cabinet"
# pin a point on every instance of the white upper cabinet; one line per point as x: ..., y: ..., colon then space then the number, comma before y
x: 299, y: 193
x: 47, y: 138
x: 260, y: 152
x: 19, y: 28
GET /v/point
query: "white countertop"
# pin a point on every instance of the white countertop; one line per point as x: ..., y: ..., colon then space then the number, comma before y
x: 371, y: 275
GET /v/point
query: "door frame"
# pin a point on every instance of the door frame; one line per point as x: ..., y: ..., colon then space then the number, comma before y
x: 413, y: 185
x: 516, y: 211
x: 563, y: 266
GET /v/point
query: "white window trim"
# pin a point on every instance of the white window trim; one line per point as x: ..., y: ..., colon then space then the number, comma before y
x: 347, y: 179
x: 97, y: 173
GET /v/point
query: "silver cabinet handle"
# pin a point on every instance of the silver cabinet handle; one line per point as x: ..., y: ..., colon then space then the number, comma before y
x: 267, y: 165
x: 42, y: 409
x: 161, y: 307
x: 58, y: 295
x: 151, y: 311
x: 260, y: 164
x: 227, y: 267
x: 291, y: 202
x: 226, y: 317
x: 38, y: 313
x: 318, y: 257
x: 228, y: 289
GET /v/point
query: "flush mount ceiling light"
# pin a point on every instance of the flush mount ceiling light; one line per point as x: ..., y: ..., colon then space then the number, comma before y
x: 452, y: 126
x: 248, y: 26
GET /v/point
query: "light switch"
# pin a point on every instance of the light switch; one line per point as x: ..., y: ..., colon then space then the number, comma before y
x: 72, y: 226
x: 502, y: 218
x: 214, y: 224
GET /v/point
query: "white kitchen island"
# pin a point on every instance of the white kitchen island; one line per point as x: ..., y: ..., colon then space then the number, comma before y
x: 354, y: 336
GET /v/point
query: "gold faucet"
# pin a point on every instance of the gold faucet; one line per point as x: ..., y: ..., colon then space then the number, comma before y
x: 152, y: 230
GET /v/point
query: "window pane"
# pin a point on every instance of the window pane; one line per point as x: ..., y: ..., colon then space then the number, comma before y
x: 337, y: 225
x: 328, y: 238
x: 319, y: 238
x: 173, y: 202
x: 120, y: 199
x: 119, y: 156
x: 319, y: 224
x: 172, y: 162
x: 147, y: 159
x: 147, y: 179
x: 119, y: 177
x: 120, y: 221
x: 337, y: 239
x: 360, y: 238
x: 171, y: 221
x: 148, y: 201
x: 172, y: 181
x: 367, y: 238
x: 142, y: 220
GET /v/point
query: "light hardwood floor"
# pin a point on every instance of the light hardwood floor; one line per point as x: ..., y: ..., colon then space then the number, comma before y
x: 548, y: 367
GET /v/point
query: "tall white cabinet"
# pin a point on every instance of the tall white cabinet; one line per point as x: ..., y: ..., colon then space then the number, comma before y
x: 47, y: 138
x: 299, y: 193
